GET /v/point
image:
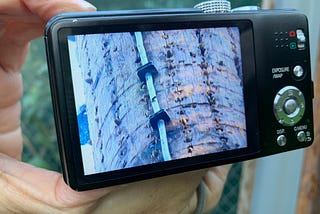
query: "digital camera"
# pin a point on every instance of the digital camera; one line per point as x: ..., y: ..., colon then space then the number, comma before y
x: 147, y: 93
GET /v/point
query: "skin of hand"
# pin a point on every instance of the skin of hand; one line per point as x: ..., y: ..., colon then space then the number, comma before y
x: 27, y: 189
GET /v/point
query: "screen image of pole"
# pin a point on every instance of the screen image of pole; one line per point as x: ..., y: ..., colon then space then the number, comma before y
x: 154, y: 96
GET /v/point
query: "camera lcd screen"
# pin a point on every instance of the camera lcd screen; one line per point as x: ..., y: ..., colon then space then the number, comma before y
x: 147, y: 97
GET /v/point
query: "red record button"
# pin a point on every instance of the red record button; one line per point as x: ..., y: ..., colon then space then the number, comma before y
x: 292, y: 33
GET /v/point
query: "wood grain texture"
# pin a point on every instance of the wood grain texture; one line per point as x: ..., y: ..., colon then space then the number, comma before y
x: 199, y: 83
x: 309, y: 196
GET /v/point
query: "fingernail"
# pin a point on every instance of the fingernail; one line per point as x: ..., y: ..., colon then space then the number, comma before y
x: 86, y: 5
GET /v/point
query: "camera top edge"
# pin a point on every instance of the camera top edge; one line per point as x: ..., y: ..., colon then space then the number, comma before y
x: 71, y: 16
x: 75, y: 15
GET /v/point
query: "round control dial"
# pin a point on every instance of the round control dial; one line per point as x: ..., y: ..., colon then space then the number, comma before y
x: 289, y: 106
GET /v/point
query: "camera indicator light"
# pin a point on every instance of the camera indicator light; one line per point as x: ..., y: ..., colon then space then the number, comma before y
x: 292, y: 34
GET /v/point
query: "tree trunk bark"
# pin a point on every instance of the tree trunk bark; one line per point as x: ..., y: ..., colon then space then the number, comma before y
x: 199, y: 83
x: 309, y: 197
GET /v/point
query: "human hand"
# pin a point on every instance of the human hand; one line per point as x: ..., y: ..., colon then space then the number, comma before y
x: 20, y: 22
x: 27, y: 189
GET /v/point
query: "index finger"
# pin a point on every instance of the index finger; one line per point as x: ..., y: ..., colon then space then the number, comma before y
x: 39, y: 10
x: 22, y: 21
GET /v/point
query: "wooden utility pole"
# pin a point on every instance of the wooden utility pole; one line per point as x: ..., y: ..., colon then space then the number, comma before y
x: 267, y: 4
x: 309, y: 197
x: 198, y: 83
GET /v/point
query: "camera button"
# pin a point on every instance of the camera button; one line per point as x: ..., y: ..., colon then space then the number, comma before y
x: 293, y: 45
x: 282, y: 140
x: 301, y: 136
x: 301, y: 39
x: 290, y: 106
x: 298, y: 71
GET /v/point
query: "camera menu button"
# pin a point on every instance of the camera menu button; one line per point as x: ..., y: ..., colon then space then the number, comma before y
x: 301, y: 136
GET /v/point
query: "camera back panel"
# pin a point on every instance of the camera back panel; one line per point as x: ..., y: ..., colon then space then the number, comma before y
x: 284, y: 81
x: 263, y: 107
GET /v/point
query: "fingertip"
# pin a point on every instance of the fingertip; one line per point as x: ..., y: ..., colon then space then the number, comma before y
x: 47, y: 9
x: 86, y: 5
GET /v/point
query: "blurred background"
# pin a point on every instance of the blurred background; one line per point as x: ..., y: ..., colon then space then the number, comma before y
x: 243, y: 192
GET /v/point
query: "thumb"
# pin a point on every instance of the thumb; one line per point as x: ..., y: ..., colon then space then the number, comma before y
x: 43, y: 11
x: 23, y: 20
x: 30, y: 187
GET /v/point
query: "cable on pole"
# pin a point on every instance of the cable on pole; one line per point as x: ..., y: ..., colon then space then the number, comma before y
x: 159, y: 117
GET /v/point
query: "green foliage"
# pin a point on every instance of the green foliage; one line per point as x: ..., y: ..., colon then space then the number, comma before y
x: 37, y: 118
x: 40, y: 147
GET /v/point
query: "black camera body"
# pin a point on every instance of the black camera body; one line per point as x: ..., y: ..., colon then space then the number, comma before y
x: 141, y: 94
